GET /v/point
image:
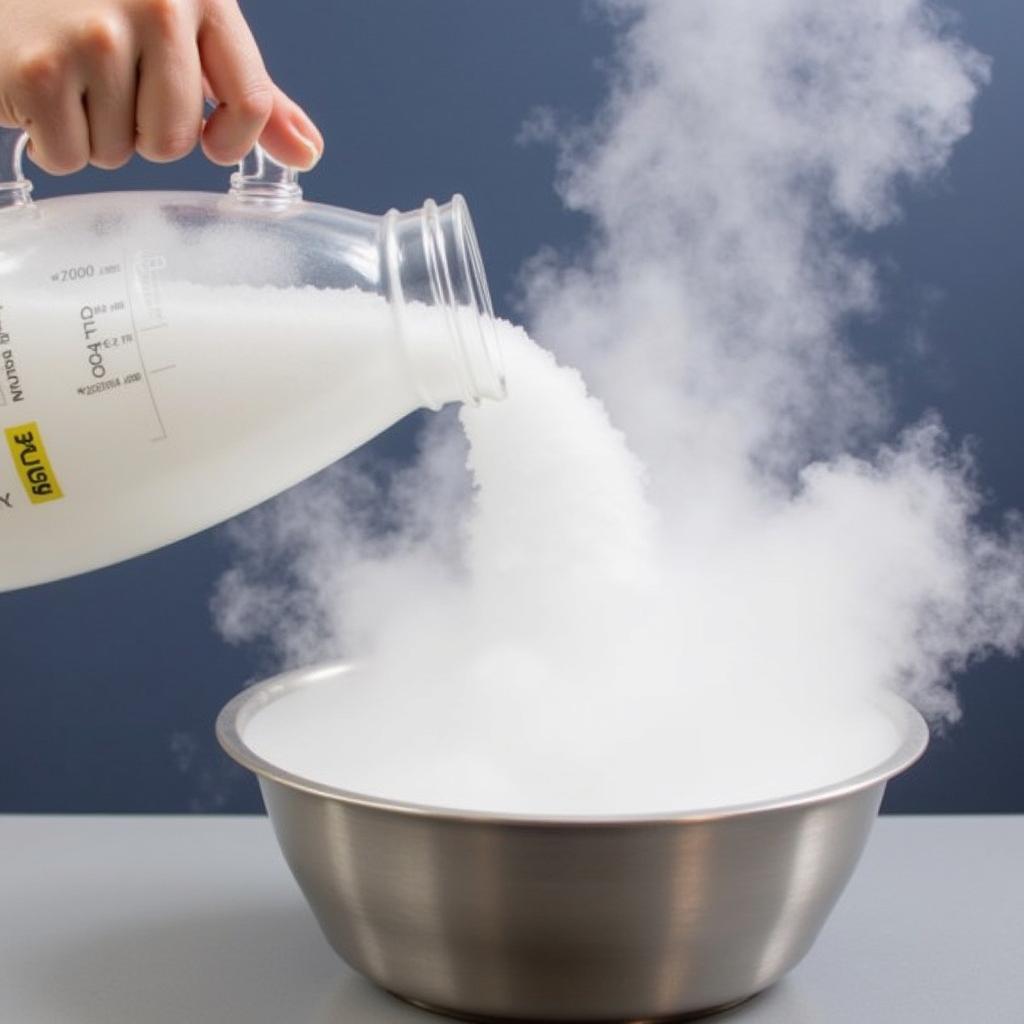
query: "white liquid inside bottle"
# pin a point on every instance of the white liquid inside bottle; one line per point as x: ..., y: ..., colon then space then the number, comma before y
x: 207, y: 423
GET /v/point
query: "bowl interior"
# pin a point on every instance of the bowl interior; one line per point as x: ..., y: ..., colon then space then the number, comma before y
x: 908, y: 729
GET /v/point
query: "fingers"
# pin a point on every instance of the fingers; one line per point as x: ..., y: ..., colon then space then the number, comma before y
x: 109, y: 60
x: 237, y: 77
x: 290, y: 137
x: 100, y: 79
x: 169, y: 104
x: 46, y: 97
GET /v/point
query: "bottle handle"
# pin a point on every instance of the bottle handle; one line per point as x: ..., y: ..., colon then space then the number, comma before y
x: 259, y: 175
x: 15, y: 188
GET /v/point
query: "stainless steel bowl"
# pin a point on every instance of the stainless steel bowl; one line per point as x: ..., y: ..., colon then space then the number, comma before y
x: 503, y: 917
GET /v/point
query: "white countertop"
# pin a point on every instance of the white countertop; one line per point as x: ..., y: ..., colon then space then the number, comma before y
x: 174, y: 920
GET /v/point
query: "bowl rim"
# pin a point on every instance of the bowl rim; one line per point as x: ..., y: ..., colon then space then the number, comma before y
x: 236, y: 714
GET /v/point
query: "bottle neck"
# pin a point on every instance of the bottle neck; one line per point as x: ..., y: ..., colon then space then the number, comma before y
x: 439, y: 295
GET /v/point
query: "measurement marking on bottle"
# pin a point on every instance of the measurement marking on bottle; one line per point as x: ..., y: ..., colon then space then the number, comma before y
x: 146, y: 268
x: 161, y: 369
x: 9, y: 368
x: 142, y: 359
x: 5, y: 500
x: 100, y: 387
x: 73, y: 273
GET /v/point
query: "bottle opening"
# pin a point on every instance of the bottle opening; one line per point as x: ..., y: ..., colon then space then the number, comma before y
x: 459, y: 283
x: 432, y: 261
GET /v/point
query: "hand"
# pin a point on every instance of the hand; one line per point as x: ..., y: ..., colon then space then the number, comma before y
x: 94, y: 81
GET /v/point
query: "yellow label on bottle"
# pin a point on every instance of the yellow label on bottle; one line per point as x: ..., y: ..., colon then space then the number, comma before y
x: 32, y: 463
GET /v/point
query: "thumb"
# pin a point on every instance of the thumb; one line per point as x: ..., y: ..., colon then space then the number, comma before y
x: 289, y: 136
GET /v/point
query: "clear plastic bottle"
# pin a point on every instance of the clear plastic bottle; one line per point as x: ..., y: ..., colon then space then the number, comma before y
x: 168, y: 360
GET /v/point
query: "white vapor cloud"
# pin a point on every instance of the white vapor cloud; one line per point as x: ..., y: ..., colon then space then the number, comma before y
x: 740, y: 543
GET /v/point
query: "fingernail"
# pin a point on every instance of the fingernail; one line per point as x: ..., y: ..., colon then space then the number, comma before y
x: 311, y: 139
x: 314, y: 153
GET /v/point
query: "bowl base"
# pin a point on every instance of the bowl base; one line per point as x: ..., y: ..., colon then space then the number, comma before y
x: 458, y: 1015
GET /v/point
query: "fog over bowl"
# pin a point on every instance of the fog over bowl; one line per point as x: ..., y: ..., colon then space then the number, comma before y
x: 457, y: 742
x: 590, y: 918
x: 696, y: 497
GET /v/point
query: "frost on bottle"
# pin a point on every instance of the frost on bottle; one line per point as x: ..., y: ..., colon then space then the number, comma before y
x: 168, y: 360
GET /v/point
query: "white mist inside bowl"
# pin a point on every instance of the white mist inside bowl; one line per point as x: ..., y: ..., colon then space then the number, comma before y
x: 361, y: 733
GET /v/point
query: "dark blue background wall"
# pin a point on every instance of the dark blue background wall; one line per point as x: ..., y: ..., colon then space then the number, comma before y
x: 108, y: 697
